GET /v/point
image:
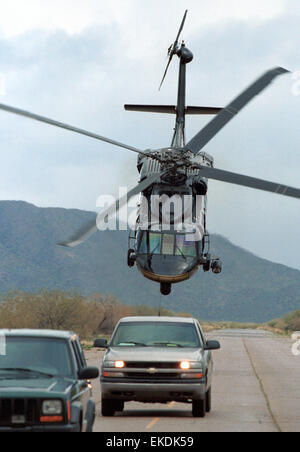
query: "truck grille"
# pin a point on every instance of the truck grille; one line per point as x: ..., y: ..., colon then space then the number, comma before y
x: 18, y: 412
x: 154, y: 376
x: 155, y: 365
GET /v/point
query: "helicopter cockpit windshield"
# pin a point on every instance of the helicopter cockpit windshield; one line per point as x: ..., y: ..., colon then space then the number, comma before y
x: 167, y: 253
x: 157, y: 243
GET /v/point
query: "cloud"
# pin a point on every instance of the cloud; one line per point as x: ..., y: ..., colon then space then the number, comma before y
x: 79, y: 62
x: 75, y: 16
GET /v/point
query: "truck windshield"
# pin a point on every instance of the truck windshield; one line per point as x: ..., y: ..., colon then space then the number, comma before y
x: 156, y: 334
x: 32, y: 356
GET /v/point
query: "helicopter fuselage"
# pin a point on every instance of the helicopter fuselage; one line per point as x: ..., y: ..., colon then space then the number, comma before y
x: 170, y: 241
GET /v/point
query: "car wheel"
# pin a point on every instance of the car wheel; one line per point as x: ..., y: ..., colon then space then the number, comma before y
x: 107, y: 407
x: 199, y: 408
x: 208, y: 401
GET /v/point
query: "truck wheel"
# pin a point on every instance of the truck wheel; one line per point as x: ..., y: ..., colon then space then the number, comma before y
x: 208, y: 401
x: 119, y: 405
x: 199, y: 408
x: 107, y: 407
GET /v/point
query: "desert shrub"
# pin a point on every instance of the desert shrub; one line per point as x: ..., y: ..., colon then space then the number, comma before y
x: 292, y: 321
x: 58, y: 310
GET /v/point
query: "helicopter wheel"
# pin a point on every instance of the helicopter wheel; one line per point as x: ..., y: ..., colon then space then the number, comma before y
x: 165, y: 288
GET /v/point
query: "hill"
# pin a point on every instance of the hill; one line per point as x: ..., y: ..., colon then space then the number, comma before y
x: 249, y: 289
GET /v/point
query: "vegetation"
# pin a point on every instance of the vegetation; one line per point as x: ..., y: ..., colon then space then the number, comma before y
x: 287, y: 324
x: 87, y: 316
x: 62, y: 311
x: 97, y: 315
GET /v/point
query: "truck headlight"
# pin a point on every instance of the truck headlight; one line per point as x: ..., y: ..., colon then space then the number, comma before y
x: 108, y: 364
x: 52, y: 407
x: 119, y: 364
x: 113, y: 364
x: 185, y: 365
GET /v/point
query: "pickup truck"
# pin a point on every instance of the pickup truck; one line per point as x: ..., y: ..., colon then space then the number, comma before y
x: 44, y: 382
x: 157, y: 360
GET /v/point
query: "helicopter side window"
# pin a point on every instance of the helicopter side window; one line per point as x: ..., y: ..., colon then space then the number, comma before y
x: 168, y: 244
x: 185, y: 247
x: 143, y: 244
x: 154, y: 243
x: 150, y: 243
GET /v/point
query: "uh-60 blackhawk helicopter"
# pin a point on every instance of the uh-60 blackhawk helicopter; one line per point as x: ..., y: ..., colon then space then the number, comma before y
x: 181, y: 171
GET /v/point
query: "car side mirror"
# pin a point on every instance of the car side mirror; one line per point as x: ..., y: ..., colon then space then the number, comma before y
x: 88, y: 373
x: 212, y: 345
x: 100, y: 343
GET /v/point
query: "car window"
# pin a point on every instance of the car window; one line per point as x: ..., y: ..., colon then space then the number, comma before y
x: 80, y: 351
x: 78, y: 358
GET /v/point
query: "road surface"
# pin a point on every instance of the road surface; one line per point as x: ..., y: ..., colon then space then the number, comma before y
x: 256, y: 388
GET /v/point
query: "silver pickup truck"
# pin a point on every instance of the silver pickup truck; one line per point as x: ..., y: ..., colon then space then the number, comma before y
x: 157, y: 360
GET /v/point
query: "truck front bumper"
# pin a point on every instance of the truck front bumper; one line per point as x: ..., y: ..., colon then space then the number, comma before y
x: 154, y: 391
x: 67, y: 428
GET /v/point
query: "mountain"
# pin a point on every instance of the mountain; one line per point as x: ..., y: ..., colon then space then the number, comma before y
x: 249, y: 289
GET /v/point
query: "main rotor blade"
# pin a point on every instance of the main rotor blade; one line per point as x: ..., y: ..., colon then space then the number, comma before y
x: 173, y: 47
x: 166, y: 71
x: 207, y: 133
x: 180, y: 28
x: 246, y: 181
x: 84, y: 233
x: 61, y: 125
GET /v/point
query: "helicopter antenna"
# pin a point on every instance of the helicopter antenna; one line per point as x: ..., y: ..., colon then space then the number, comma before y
x: 173, y: 48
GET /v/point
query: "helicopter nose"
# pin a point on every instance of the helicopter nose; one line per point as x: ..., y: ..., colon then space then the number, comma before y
x: 164, y: 268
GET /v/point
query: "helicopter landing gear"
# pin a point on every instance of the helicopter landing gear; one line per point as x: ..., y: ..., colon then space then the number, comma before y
x: 216, y: 267
x: 165, y: 288
x: 131, y: 258
x: 206, y: 266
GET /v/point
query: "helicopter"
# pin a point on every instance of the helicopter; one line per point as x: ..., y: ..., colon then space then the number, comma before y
x: 174, y: 183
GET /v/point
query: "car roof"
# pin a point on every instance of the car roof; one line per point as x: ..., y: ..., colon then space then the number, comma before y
x: 38, y: 333
x: 158, y: 319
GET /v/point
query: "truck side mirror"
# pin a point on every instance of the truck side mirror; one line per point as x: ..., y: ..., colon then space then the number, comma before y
x: 100, y: 343
x: 88, y: 373
x: 212, y: 345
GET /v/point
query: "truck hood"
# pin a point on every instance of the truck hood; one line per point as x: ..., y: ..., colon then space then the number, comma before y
x: 34, y: 387
x: 146, y: 354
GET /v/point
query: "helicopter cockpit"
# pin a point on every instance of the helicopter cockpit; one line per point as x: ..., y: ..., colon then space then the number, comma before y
x: 167, y: 256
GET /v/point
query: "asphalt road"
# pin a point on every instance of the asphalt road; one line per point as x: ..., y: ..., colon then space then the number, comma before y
x: 256, y: 388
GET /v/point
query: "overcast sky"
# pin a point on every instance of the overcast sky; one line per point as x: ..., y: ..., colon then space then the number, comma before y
x: 79, y: 61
